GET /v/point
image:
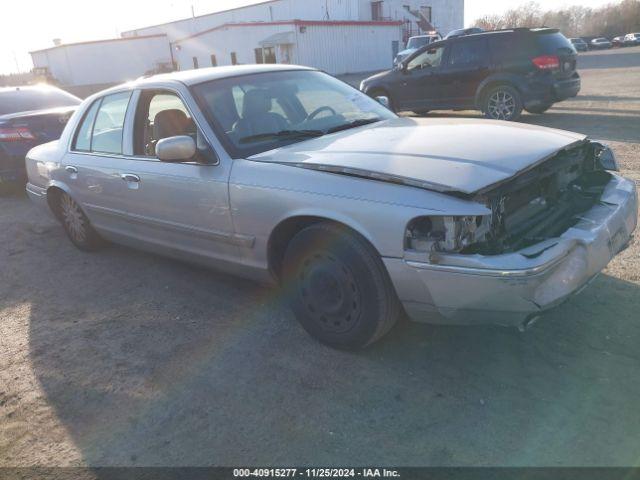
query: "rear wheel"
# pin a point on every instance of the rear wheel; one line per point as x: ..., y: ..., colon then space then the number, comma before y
x: 338, y: 288
x: 77, y: 226
x: 502, y: 102
x: 538, y: 109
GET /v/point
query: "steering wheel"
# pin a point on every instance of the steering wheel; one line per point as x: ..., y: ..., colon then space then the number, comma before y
x: 317, y: 111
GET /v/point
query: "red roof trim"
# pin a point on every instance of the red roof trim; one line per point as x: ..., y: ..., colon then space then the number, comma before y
x: 89, y: 42
x: 301, y: 23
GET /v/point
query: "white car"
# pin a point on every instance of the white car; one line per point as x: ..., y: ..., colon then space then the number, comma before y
x: 286, y: 175
x: 632, y: 39
x: 414, y: 44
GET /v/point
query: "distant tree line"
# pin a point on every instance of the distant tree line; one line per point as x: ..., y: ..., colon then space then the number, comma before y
x: 576, y: 21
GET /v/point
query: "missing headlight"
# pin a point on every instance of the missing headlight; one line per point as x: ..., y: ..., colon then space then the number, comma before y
x: 604, y: 156
x: 444, y: 234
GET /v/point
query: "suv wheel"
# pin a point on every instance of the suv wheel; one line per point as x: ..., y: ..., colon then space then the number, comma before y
x: 338, y: 287
x: 77, y: 226
x: 502, y: 103
x: 539, y: 108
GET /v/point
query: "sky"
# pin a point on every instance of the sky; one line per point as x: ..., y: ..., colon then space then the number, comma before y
x: 27, y: 25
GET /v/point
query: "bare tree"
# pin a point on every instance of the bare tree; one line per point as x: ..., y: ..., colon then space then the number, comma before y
x: 612, y: 19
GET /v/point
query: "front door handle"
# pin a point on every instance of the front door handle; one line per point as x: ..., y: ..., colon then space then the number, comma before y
x: 130, y: 177
x: 133, y: 181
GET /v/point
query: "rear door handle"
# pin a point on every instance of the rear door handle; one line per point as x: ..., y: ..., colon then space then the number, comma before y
x: 130, y: 177
x: 71, y: 169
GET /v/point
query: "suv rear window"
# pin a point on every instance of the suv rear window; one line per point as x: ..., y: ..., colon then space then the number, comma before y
x: 551, y: 43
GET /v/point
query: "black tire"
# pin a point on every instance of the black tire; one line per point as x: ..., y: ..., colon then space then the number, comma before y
x: 421, y: 113
x: 502, y: 102
x: 77, y: 225
x: 538, y: 109
x: 338, y: 287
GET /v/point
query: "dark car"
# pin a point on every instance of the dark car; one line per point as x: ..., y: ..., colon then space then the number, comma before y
x: 464, y: 31
x: 579, y: 44
x: 499, y: 73
x: 29, y: 116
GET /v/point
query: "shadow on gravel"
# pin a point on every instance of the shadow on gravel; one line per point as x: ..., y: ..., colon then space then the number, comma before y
x: 151, y: 362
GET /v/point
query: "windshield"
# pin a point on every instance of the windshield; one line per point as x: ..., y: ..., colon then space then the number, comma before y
x: 417, y: 42
x: 256, y: 113
x: 25, y: 100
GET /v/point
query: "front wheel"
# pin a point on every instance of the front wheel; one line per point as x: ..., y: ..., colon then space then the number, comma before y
x: 338, y: 287
x: 77, y: 226
x: 538, y: 109
x: 502, y: 103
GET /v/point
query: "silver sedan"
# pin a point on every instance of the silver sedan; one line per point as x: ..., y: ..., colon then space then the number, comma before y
x: 284, y: 174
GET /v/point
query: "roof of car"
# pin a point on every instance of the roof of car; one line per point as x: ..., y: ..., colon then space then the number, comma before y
x: 192, y: 77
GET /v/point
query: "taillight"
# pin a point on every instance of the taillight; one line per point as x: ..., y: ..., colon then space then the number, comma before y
x: 547, y: 62
x: 15, y: 134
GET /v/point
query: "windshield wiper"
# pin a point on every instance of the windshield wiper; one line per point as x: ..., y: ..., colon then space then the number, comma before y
x: 283, y: 134
x: 354, y: 124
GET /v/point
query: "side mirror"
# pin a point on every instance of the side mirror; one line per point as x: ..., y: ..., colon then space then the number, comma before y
x: 383, y: 100
x: 176, y: 149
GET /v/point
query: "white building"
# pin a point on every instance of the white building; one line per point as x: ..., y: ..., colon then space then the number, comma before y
x: 443, y: 15
x: 338, y: 36
x: 87, y: 66
x: 337, y: 47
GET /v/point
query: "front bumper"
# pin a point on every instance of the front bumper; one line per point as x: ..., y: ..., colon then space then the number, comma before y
x: 511, y: 289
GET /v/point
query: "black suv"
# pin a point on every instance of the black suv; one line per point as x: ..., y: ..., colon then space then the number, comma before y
x: 499, y: 73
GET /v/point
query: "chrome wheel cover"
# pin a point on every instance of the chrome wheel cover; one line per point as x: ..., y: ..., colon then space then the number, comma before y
x: 502, y: 105
x: 73, y: 219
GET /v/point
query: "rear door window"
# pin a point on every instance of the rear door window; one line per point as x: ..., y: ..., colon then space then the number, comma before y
x: 468, y: 53
x: 109, y: 124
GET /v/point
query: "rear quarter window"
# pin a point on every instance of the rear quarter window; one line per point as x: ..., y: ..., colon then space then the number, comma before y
x: 552, y: 43
x: 507, y: 47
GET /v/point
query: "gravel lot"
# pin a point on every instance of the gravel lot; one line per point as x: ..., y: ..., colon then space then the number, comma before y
x: 123, y: 358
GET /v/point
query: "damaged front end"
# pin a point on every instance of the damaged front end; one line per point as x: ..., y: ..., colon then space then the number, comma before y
x: 537, y: 205
x: 547, y: 233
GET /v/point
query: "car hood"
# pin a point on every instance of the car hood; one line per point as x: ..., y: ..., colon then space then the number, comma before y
x: 446, y: 155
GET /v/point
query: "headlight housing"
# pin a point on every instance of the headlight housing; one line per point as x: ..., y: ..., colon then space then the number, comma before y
x: 605, y: 158
x: 445, y: 233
